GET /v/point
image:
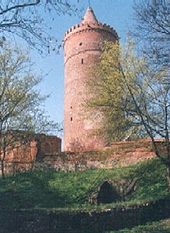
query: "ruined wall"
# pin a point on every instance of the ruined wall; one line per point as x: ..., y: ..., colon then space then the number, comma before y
x: 120, y: 154
x: 46, y: 154
x: 23, y: 156
x: 47, y: 145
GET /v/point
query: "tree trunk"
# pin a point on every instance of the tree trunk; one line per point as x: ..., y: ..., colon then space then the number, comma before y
x: 168, y: 176
x: 2, y: 169
x: 2, y: 162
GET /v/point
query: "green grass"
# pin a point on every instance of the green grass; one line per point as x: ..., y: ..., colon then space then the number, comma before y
x: 50, y: 189
x: 154, y: 227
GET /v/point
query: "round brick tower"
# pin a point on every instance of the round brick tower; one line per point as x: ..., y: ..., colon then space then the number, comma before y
x: 82, y: 50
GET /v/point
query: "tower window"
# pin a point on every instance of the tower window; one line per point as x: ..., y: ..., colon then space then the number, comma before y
x: 82, y: 61
x: 80, y: 43
x: 71, y: 119
x: 71, y: 107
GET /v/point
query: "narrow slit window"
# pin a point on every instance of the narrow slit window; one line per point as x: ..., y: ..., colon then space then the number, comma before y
x: 71, y: 119
x: 82, y: 61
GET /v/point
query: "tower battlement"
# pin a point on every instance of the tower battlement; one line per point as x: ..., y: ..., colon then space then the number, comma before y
x: 82, y: 27
x: 89, y: 23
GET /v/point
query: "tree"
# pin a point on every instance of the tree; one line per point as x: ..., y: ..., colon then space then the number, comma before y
x: 110, y: 98
x: 153, y: 30
x: 143, y: 99
x: 21, y: 115
x: 29, y: 20
x: 149, y: 94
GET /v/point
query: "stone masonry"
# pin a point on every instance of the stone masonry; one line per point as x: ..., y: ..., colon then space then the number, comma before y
x: 24, y: 156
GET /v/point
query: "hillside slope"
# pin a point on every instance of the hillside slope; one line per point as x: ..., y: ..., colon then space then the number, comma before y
x: 50, y: 189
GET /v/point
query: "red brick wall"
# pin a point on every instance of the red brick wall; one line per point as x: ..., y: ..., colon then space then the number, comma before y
x: 48, y: 145
x: 22, y: 157
x: 120, y: 154
x: 22, y: 153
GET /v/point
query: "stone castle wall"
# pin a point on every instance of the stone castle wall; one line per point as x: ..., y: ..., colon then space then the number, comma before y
x: 120, y: 154
x: 48, y: 155
x: 23, y: 156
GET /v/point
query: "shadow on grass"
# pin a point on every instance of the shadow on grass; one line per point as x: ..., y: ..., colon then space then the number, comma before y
x: 162, y: 226
x: 31, y: 190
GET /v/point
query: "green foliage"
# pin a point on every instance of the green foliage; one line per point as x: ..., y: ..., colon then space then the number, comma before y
x: 111, y: 97
x: 106, y: 84
x: 154, y: 227
x: 50, y: 189
x: 152, y: 182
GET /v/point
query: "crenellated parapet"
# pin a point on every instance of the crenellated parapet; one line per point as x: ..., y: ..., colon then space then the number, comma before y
x: 83, y: 27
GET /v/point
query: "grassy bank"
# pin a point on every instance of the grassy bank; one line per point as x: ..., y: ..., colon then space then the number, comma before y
x: 50, y: 189
x: 154, y: 227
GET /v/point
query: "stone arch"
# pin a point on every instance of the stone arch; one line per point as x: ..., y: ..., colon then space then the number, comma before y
x: 107, y: 193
